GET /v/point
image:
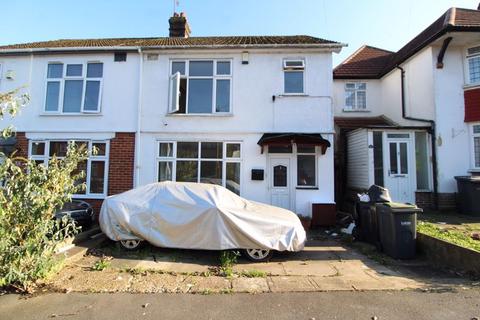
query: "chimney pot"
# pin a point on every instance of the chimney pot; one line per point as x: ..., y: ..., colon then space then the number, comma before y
x: 179, y: 27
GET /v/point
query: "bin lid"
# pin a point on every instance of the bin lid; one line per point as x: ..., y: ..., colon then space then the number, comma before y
x: 475, y: 179
x: 397, y: 207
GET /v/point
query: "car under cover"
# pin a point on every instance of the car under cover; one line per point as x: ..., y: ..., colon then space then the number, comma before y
x: 199, y: 216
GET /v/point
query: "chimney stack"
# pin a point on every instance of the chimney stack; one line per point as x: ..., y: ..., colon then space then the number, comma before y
x: 478, y: 8
x: 179, y: 27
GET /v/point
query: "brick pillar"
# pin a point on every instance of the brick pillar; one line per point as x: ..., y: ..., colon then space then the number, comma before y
x: 121, y: 163
x: 22, y: 144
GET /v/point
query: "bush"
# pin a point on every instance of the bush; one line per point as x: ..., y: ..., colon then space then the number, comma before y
x: 29, y: 196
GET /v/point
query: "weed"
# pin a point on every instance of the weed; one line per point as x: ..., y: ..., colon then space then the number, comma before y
x: 226, y: 291
x: 228, y: 259
x: 100, y: 265
x: 253, y: 274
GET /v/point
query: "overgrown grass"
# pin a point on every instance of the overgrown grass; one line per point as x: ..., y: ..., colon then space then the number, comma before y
x: 449, y: 234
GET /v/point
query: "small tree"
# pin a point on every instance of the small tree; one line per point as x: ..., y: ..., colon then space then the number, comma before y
x: 29, y: 196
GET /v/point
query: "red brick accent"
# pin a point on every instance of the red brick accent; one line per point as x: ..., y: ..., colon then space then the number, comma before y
x: 472, y: 105
x: 22, y: 144
x: 121, y: 163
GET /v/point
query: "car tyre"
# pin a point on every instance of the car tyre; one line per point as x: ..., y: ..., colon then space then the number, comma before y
x: 258, y: 255
x: 131, y: 245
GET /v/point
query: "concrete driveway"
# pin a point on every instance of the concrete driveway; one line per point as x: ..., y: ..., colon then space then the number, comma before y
x: 324, y: 265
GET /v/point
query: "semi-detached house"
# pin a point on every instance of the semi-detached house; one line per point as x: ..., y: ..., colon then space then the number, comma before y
x: 410, y: 120
x: 253, y: 114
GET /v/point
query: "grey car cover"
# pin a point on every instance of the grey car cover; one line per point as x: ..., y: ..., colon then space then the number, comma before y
x: 199, y: 216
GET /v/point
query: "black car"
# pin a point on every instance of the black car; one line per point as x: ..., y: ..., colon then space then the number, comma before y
x: 80, y: 212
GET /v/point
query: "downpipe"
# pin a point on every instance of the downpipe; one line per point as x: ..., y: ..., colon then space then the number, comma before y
x: 432, y: 132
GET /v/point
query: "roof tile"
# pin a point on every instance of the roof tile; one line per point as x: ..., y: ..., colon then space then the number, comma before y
x: 190, y: 42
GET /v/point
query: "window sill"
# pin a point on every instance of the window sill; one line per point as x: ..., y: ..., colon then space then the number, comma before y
x: 286, y: 95
x: 218, y: 115
x: 47, y: 114
x: 89, y: 196
x: 355, y: 110
x: 306, y: 188
x: 469, y: 86
x: 474, y: 170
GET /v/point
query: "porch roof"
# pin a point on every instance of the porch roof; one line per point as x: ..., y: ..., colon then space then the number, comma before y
x: 287, y: 138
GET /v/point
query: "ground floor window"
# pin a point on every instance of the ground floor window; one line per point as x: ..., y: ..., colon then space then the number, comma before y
x: 476, y: 146
x: 421, y: 160
x: 306, y: 166
x: 95, y: 167
x: 200, y: 161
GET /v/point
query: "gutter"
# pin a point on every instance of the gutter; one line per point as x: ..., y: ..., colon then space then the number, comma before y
x: 139, y: 120
x: 432, y: 132
x: 338, y: 46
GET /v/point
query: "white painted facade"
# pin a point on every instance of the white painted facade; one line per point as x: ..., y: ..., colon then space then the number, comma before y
x: 254, y: 112
x: 430, y: 93
x: 135, y: 98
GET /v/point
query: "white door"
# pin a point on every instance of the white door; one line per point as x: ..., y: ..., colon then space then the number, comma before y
x: 280, y: 182
x: 398, y: 179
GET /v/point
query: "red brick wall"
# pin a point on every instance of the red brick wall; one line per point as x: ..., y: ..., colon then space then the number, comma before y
x: 472, y: 105
x: 22, y: 144
x: 121, y: 162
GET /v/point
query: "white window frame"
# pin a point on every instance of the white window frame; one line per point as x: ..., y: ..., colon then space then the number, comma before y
x: 355, y: 91
x: 215, y: 77
x: 105, y: 158
x: 315, y: 154
x: 199, y: 159
x: 468, y: 57
x: 472, y: 146
x: 62, y: 80
x: 287, y: 69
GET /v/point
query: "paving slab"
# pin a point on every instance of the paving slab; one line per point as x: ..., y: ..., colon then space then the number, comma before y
x: 250, y: 285
x: 291, y: 284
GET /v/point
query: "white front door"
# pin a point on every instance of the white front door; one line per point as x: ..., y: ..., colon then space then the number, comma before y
x: 280, y: 182
x: 398, y: 178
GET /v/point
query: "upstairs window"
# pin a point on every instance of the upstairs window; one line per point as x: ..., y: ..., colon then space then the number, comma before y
x: 74, y: 88
x: 293, y: 71
x: 473, y: 60
x: 356, y: 96
x: 200, y: 86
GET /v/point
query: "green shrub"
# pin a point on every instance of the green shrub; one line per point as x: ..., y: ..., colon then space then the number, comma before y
x: 29, y: 196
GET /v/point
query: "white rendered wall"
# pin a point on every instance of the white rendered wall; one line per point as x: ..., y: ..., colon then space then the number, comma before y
x: 254, y: 85
x: 118, y: 101
x: 453, y: 145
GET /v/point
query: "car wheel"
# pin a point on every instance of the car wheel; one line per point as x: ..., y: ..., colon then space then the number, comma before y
x: 131, y: 244
x: 258, y: 255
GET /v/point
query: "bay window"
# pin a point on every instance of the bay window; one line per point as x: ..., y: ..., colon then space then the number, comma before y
x: 200, y: 86
x: 206, y: 162
x: 95, y: 167
x: 73, y: 88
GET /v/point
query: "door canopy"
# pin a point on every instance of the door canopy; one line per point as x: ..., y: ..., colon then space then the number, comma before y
x: 283, y: 139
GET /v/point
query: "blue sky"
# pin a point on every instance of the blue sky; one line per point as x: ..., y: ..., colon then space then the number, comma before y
x: 382, y: 23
